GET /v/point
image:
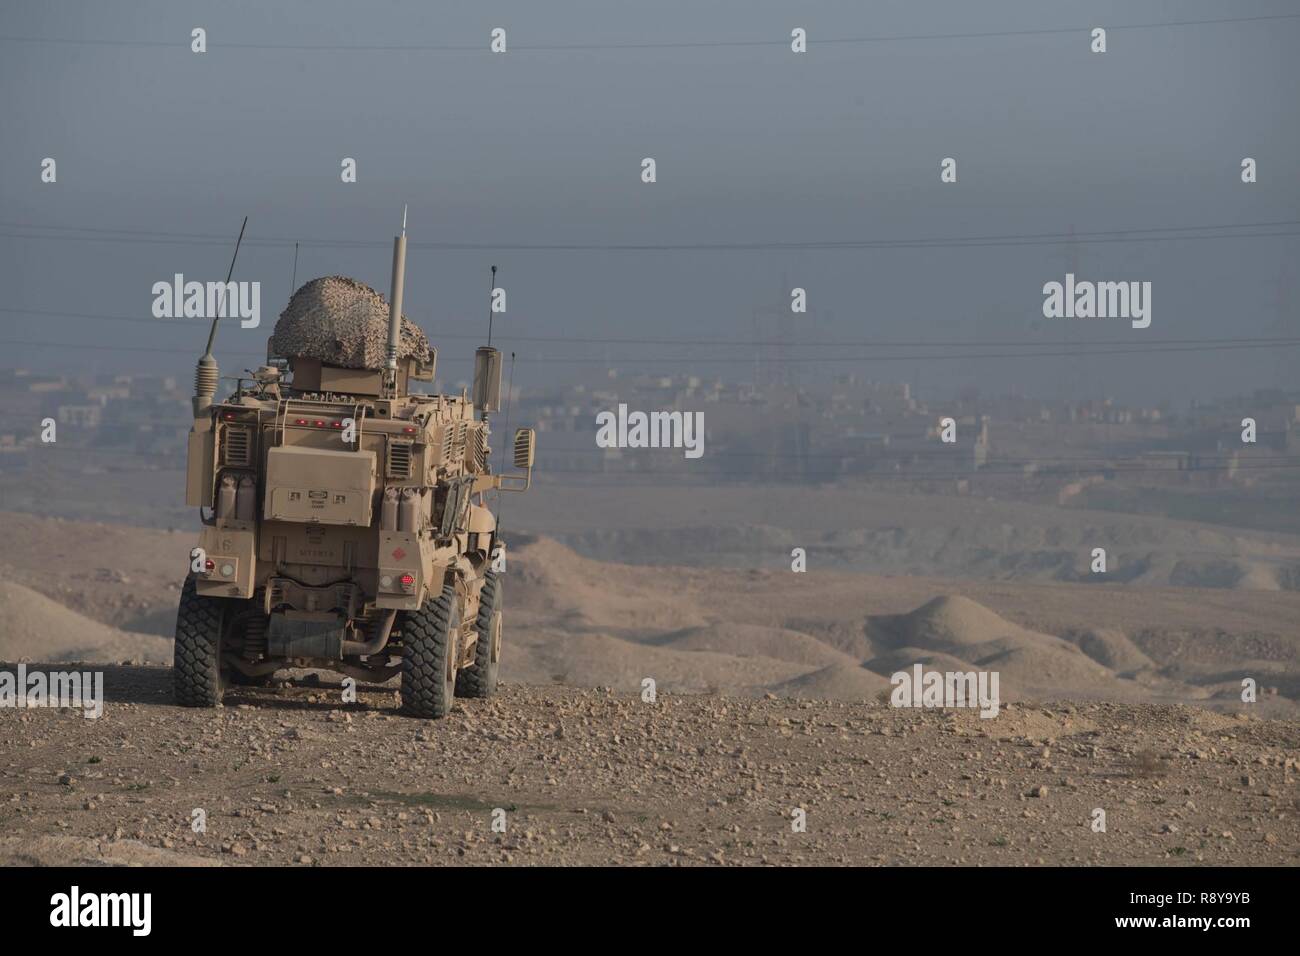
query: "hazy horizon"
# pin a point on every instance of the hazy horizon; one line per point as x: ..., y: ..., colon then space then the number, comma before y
x: 161, y: 152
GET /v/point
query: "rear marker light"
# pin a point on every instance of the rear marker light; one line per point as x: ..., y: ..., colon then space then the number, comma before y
x: 209, y: 564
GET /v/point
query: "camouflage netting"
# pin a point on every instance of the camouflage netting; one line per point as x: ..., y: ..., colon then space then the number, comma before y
x: 341, y: 321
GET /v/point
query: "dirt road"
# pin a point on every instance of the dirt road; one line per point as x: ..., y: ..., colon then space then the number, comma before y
x: 292, y: 774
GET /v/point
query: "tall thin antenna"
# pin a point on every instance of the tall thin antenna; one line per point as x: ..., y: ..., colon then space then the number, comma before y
x: 206, y: 373
x: 492, y: 287
x: 395, y: 305
x: 510, y: 393
x: 212, y: 334
x: 293, y: 283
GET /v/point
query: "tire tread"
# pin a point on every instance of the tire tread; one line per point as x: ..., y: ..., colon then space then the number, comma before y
x: 196, y: 657
x: 426, y: 641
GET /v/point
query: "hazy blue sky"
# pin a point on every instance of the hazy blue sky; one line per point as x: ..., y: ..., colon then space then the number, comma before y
x: 754, y: 144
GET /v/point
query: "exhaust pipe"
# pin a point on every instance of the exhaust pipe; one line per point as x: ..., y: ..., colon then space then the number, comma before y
x: 375, y: 644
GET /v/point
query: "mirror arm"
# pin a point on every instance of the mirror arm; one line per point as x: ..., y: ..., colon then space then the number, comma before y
x: 526, y: 478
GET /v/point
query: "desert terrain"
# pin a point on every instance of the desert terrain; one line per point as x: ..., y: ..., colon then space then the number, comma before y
x: 104, y: 592
x: 291, y: 775
x: 772, y: 695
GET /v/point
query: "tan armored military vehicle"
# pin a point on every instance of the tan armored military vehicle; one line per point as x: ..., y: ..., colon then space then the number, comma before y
x: 344, y: 522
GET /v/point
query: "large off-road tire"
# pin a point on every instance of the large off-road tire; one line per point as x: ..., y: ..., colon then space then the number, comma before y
x: 480, y: 679
x: 196, y: 658
x: 429, y: 656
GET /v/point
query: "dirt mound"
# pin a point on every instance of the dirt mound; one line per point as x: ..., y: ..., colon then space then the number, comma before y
x: 748, y: 640
x: 964, y: 635
x: 1035, y: 723
x: 1111, y: 648
x: 836, y: 682
x: 601, y: 660
x: 955, y: 621
x: 545, y: 576
x: 37, y: 628
x: 903, y: 658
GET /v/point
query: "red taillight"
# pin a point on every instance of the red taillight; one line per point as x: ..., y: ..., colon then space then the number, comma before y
x: 407, y: 580
x: 409, y: 430
x: 318, y: 423
x: 229, y: 416
x: 338, y: 424
x: 209, y: 564
x: 300, y: 421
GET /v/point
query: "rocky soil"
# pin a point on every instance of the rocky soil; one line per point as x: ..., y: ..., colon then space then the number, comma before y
x: 293, y: 775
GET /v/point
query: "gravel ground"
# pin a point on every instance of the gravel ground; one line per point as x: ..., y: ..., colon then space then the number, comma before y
x: 292, y: 775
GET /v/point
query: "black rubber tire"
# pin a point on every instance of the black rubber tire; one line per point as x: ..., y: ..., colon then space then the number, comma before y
x: 196, y: 657
x: 428, y: 660
x: 480, y: 679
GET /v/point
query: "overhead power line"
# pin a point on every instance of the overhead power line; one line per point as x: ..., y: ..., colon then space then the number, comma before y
x: 217, y: 43
x: 187, y: 326
x: 660, y: 477
x: 1257, y: 230
x: 629, y: 361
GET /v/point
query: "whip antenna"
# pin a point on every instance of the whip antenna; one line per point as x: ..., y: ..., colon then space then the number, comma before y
x: 212, y: 334
x: 206, y: 373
